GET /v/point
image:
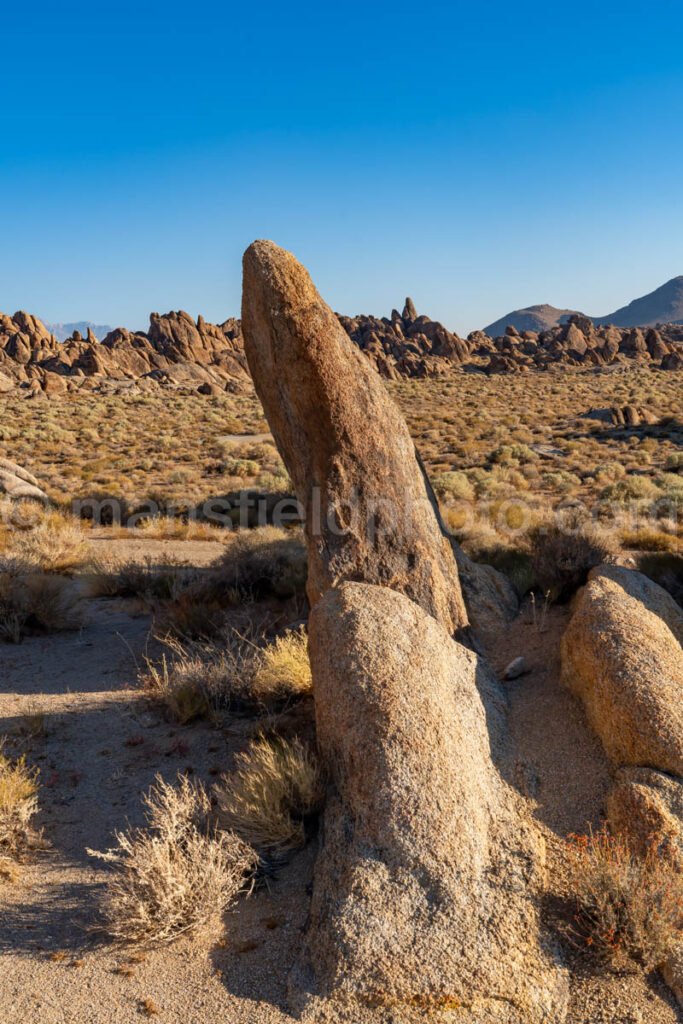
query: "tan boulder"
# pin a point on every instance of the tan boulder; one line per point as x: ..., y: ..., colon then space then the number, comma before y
x: 647, y: 804
x: 368, y: 513
x: 16, y: 482
x: 423, y: 889
x: 621, y: 654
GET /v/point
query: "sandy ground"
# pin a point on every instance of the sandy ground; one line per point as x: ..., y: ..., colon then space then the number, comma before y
x: 101, y: 748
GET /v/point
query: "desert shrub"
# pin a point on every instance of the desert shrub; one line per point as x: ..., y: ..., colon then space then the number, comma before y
x: 608, y: 472
x: 629, y: 903
x: 18, y: 805
x: 453, y: 485
x: 630, y: 488
x: 258, y: 563
x: 671, y: 484
x: 512, y: 455
x: 191, y: 617
x: 151, y: 580
x: 666, y: 570
x: 563, y: 551
x: 233, y: 673
x: 178, y: 874
x: 36, y: 604
x: 273, y: 793
x: 561, y: 481
x: 674, y: 462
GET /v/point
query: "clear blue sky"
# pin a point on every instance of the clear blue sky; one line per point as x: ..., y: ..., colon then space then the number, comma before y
x: 477, y: 156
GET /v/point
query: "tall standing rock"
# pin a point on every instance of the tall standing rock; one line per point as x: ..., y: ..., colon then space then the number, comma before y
x: 423, y: 890
x: 368, y: 513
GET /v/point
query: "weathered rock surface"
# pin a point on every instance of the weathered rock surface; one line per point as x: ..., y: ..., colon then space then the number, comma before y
x: 16, y: 482
x: 645, y: 803
x: 407, y: 345
x: 578, y: 342
x: 176, y: 351
x: 621, y: 654
x: 369, y: 515
x: 422, y: 891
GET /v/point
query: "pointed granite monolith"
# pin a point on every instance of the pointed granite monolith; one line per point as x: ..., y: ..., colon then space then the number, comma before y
x: 369, y: 515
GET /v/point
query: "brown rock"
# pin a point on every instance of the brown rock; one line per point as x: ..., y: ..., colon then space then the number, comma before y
x: 368, y: 514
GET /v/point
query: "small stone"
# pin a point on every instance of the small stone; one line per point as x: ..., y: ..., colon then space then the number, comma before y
x: 515, y: 669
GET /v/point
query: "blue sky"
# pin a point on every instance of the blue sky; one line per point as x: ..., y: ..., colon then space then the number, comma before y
x: 479, y: 157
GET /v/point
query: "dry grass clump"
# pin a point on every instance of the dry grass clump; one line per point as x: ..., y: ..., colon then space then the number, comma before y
x: 54, y: 543
x: 178, y: 874
x: 36, y: 604
x: 629, y: 904
x: 645, y: 538
x: 273, y: 794
x: 18, y: 805
x: 564, y: 550
x: 282, y: 669
x: 233, y: 673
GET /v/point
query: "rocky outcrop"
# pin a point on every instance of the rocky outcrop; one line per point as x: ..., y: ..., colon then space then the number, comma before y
x: 422, y: 891
x: 621, y: 654
x: 368, y: 513
x: 407, y: 345
x: 17, y: 483
x: 176, y: 352
x: 578, y: 342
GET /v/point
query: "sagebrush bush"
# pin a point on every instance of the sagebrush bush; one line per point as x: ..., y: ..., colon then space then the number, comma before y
x: 563, y: 551
x: 629, y: 903
x: 178, y: 874
x: 18, y: 805
x: 274, y: 791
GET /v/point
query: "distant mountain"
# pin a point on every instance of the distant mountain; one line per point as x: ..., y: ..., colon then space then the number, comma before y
x: 662, y: 306
x: 64, y: 331
x: 532, y: 318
